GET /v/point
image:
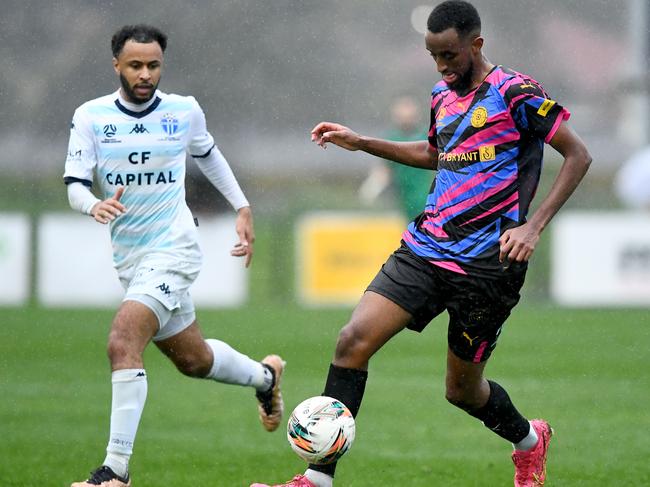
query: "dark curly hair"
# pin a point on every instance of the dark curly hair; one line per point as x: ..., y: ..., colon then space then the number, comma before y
x: 456, y: 14
x: 138, y: 33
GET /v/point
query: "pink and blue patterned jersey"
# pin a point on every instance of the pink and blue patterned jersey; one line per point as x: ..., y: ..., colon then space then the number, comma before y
x: 490, y: 146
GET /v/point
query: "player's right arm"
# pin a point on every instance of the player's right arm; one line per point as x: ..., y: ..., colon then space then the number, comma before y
x: 82, y: 200
x: 78, y: 176
x: 416, y: 154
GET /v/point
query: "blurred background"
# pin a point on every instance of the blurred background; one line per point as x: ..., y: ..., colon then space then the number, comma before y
x: 266, y: 72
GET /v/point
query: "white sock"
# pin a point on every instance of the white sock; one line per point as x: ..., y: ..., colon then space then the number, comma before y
x: 528, y: 442
x: 129, y: 396
x: 319, y: 479
x: 232, y: 367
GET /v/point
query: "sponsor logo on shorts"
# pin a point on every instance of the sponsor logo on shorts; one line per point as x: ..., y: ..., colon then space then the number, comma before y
x: 469, y: 339
x: 164, y: 288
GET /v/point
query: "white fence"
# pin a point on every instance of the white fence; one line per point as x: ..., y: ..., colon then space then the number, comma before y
x: 597, y: 259
x: 601, y: 259
x: 74, y: 263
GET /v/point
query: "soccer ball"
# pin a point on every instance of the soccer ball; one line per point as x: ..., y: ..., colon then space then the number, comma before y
x: 320, y: 430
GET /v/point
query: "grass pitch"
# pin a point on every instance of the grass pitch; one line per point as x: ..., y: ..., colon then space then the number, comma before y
x: 584, y: 371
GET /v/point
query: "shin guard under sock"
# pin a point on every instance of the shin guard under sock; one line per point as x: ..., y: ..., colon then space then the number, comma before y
x: 501, y: 416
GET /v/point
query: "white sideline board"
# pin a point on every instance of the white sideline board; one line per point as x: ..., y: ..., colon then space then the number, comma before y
x: 75, y: 266
x: 15, y: 254
x: 601, y: 259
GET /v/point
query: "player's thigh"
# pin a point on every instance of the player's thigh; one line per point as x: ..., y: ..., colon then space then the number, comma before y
x: 374, y: 321
x: 133, y: 326
x: 413, y: 284
x: 164, y: 288
x: 401, y: 291
x: 134, y: 323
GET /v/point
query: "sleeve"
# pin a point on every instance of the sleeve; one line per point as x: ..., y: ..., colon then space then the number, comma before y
x: 533, y: 110
x: 211, y: 161
x: 81, y: 159
x: 218, y: 171
x: 435, y: 105
x: 200, y: 140
x: 80, y: 197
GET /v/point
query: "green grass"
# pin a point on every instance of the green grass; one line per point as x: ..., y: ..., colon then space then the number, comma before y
x: 585, y: 371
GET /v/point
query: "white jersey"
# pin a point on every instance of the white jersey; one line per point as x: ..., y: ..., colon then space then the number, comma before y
x: 145, y: 153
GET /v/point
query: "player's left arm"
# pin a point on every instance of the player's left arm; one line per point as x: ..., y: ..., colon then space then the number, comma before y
x: 518, y: 244
x: 215, y: 167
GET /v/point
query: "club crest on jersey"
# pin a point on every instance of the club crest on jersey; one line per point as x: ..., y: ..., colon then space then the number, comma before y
x: 169, y: 124
x: 479, y: 117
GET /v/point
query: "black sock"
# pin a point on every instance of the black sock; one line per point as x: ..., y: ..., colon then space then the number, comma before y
x: 501, y: 416
x: 346, y: 385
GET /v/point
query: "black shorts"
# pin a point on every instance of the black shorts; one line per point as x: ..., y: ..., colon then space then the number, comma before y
x: 478, y: 307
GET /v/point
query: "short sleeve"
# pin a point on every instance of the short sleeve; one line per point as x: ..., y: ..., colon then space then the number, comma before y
x: 533, y: 110
x: 200, y: 140
x: 433, y: 133
x: 81, y: 158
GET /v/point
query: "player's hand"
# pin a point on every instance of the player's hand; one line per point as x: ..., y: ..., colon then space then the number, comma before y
x: 108, y: 210
x: 244, y: 229
x: 518, y: 244
x: 337, y: 134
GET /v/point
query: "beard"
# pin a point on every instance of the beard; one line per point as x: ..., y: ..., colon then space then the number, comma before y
x: 464, y: 82
x: 129, y: 92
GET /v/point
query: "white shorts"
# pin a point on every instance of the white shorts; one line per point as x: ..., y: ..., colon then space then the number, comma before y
x: 164, y: 288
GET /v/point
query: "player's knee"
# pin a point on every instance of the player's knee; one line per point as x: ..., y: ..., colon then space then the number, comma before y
x: 453, y: 396
x: 118, y: 349
x: 351, y: 347
x: 193, y: 365
x: 461, y: 396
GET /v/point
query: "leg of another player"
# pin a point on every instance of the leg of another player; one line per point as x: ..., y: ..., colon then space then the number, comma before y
x: 213, y: 359
x: 375, y: 320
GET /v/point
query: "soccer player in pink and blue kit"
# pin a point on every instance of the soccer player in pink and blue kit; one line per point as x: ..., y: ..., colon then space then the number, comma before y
x: 467, y: 252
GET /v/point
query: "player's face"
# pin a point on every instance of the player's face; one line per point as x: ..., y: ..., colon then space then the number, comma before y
x: 455, y: 57
x: 139, y: 67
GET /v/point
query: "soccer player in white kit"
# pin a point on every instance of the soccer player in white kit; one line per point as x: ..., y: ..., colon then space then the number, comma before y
x: 133, y: 144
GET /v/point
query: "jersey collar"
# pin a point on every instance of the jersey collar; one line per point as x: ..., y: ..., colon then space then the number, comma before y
x: 152, y: 105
